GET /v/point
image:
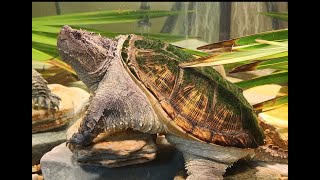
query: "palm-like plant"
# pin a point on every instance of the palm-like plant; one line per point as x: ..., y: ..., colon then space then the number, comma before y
x: 268, y: 50
x: 45, y: 30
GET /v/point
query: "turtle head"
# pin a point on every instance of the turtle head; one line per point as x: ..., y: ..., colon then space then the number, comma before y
x: 88, y: 54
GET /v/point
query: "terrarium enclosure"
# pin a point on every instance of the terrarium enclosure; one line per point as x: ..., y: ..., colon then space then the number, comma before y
x: 211, y: 80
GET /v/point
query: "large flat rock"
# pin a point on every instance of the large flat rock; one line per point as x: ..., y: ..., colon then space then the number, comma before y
x: 114, y: 150
x: 44, y: 142
x: 73, y: 103
x: 49, y: 130
x: 58, y: 164
x: 244, y: 170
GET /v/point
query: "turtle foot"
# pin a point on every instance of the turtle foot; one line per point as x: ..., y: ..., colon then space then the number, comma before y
x: 80, y: 139
x: 50, y: 102
x: 201, y: 168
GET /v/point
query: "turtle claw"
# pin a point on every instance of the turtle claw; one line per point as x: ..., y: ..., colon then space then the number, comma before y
x: 54, y: 101
x: 40, y: 99
x: 79, y: 139
x: 50, y: 102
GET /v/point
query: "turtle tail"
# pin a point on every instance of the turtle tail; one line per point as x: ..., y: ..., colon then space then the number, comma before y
x: 270, y: 153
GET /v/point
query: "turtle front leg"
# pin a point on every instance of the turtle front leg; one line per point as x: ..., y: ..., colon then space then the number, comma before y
x: 93, y: 122
x: 200, y: 168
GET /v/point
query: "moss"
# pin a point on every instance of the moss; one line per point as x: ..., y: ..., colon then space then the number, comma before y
x: 183, y: 56
x: 124, y: 53
x: 232, y: 96
x: 141, y: 60
x: 149, y: 44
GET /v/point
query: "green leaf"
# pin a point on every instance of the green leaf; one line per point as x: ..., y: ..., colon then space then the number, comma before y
x: 273, y: 56
x: 44, y: 39
x: 233, y: 57
x: 100, y: 17
x: 270, y: 36
x: 283, y: 43
x: 40, y: 56
x: 194, y: 52
x: 47, y: 29
x: 278, y: 15
x: 271, y: 104
x: 165, y: 37
x: 276, y: 63
x: 48, y: 49
x: 53, y: 32
x: 250, y: 40
x: 275, y: 78
x: 82, y: 15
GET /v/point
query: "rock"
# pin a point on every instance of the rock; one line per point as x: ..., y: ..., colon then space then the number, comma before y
x: 36, y: 168
x: 35, y: 176
x: 262, y: 93
x: 181, y: 175
x: 115, y: 150
x: 256, y: 170
x: 59, y: 164
x: 73, y: 103
x: 282, y: 169
x: 120, y: 149
x: 78, y: 84
x: 73, y: 128
x: 44, y: 142
x: 278, y: 119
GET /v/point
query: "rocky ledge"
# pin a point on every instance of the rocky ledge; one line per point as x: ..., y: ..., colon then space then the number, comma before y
x: 73, y: 103
x: 49, y: 130
x: 59, y: 164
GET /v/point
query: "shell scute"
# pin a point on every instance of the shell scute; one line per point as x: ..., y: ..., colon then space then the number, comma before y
x: 198, y: 100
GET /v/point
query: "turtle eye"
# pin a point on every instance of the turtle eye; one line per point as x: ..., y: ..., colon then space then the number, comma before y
x: 77, y: 35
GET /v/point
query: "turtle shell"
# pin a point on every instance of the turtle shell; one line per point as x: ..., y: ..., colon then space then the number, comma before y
x: 198, y: 102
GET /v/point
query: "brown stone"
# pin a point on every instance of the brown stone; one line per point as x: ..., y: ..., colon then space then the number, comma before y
x: 115, y: 150
x: 254, y: 170
x: 72, y: 105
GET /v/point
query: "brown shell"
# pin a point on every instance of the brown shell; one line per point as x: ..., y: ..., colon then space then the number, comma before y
x: 199, y: 101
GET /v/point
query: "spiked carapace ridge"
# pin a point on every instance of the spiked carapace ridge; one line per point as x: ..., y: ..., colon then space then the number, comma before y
x: 198, y: 101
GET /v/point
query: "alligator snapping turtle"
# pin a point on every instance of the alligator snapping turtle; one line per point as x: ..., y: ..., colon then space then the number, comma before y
x: 137, y: 83
x: 41, y: 94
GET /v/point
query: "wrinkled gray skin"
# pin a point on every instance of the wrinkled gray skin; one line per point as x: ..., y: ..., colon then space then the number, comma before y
x: 119, y: 103
x: 41, y: 94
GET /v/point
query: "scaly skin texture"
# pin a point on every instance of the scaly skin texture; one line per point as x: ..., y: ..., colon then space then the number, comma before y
x: 117, y: 102
x: 41, y: 94
x: 121, y: 101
